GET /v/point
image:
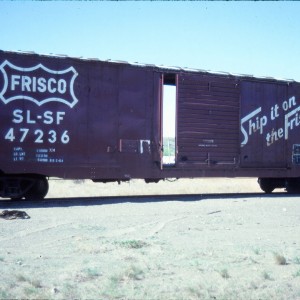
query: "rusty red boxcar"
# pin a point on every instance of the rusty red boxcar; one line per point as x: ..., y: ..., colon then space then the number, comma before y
x: 77, y: 118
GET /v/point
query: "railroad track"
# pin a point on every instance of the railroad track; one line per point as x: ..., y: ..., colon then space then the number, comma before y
x: 105, y: 200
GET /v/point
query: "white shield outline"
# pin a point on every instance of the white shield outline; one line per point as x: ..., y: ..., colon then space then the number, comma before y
x: 39, y: 103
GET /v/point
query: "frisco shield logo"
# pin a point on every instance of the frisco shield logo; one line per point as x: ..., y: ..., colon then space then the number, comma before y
x: 38, y: 84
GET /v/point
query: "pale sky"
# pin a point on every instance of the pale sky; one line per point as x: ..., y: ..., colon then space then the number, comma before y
x: 260, y: 38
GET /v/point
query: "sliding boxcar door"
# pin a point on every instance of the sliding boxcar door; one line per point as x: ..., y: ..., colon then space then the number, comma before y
x: 207, y: 121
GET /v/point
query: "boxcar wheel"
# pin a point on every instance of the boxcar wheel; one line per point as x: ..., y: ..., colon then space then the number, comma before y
x: 293, y: 186
x: 266, y: 184
x: 39, y: 189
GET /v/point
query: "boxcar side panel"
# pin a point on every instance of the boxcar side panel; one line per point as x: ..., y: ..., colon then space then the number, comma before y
x: 121, y: 121
x: 208, y: 121
x: 75, y: 118
x: 263, y: 143
x: 292, y: 128
x: 43, y: 108
x: 270, y: 126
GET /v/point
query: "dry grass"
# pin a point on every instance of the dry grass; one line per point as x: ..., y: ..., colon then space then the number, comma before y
x: 123, y: 249
x: 296, y: 260
x: 224, y: 273
x: 133, y: 244
x: 267, y: 276
x: 297, y: 273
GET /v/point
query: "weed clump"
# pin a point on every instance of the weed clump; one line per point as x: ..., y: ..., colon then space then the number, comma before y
x: 267, y: 276
x: 280, y: 259
x: 297, y: 260
x: 297, y: 274
x: 224, y: 273
x: 133, y: 244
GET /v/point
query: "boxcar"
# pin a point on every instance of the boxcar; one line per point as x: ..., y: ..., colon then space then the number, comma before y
x: 77, y: 118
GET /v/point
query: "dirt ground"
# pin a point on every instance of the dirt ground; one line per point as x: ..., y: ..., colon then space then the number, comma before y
x: 215, y: 244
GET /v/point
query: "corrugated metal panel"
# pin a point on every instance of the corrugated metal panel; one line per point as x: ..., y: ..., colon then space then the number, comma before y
x: 208, y: 120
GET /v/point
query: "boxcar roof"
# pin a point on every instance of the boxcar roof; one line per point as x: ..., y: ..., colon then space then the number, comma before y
x: 153, y: 66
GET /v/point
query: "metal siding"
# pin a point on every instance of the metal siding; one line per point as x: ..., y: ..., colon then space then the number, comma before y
x: 109, y: 127
x: 51, y: 152
x: 102, y: 115
x: 132, y: 103
x: 259, y: 120
x: 293, y: 145
x: 114, y: 127
x: 208, y: 120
